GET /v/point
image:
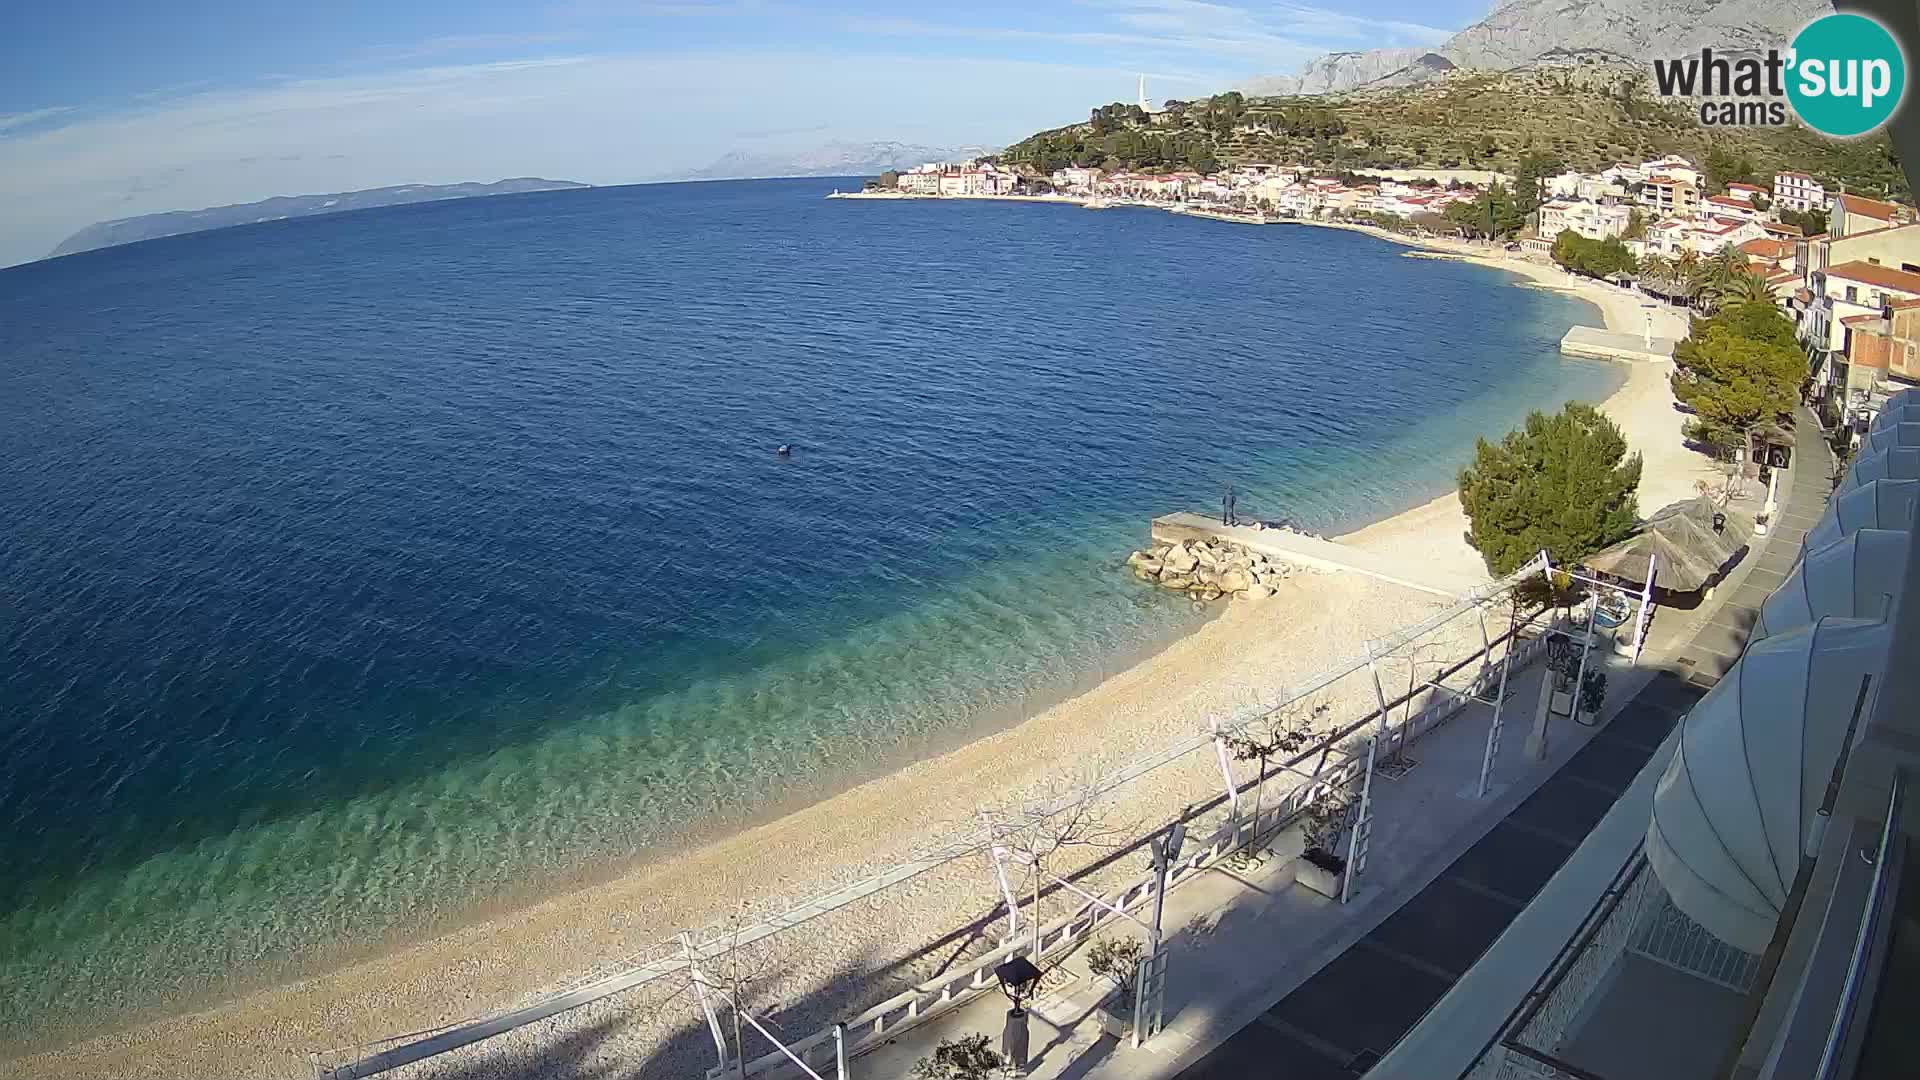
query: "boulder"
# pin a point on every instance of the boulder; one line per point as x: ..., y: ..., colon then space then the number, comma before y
x: 1149, y: 567
x: 1233, y: 580
x: 1210, y: 594
x: 1180, y: 582
x: 1207, y: 555
x: 1143, y: 575
x: 1180, y: 559
x: 1207, y: 576
x: 1257, y: 592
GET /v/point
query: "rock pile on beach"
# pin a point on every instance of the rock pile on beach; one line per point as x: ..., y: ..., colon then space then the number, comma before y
x: 1210, y: 569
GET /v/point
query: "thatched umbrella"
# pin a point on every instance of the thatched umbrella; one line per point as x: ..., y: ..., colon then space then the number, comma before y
x: 1681, y: 544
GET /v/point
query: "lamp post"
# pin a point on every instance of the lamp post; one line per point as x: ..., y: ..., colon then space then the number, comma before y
x: 1018, y: 978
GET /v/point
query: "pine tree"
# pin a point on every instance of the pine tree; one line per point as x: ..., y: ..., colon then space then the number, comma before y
x: 1563, y: 483
x: 1739, y: 371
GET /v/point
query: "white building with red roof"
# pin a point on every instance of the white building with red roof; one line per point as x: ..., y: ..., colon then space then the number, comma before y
x: 1798, y: 191
x: 1728, y: 206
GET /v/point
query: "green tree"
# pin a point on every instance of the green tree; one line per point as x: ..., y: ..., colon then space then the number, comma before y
x: 1726, y: 167
x: 1595, y: 258
x: 1809, y: 222
x: 1739, y: 372
x: 1562, y: 483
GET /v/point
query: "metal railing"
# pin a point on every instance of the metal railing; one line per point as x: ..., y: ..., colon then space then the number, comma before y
x: 1867, y: 941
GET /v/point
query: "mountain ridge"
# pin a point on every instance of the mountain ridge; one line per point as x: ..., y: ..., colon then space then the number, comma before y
x: 839, y: 158
x: 1519, y: 34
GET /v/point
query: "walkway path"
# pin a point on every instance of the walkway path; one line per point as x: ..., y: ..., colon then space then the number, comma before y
x: 1803, y: 493
x: 1341, y: 1021
x: 1302, y: 550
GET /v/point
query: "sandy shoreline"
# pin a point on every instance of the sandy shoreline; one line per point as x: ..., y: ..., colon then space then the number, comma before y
x: 1245, y: 654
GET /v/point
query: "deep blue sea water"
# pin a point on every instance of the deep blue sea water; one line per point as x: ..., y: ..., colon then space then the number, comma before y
x: 358, y: 570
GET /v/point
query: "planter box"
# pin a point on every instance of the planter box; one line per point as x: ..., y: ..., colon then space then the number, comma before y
x: 1318, y: 878
x: 1116, y: 1014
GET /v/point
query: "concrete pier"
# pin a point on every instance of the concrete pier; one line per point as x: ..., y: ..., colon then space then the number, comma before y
x: 1309, y: 551
x: 1596, y: 344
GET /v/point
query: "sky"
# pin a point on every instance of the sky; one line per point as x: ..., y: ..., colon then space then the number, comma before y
x: 113, y: 108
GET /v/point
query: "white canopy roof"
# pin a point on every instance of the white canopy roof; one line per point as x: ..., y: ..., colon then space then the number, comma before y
x: 1896, y: 414
x: 1851, y: 578
x: 1903, y: 433
x: 1892, y: 463
x: 1882, y: 504
x: 1899, y: 407
x: 1735, y: 811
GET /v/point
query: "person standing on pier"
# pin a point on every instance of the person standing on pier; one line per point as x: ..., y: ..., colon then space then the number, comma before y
x: 1227, y: 516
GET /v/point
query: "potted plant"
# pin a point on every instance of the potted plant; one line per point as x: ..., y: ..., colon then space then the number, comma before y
x: 968, y: 1057
x: 1116, y: 960
x: 1321, y: 867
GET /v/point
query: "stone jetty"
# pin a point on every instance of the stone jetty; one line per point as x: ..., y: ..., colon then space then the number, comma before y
x: 1208, y: 569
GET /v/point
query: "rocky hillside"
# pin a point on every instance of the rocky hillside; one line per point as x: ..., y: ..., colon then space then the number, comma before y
x: 1520, y: 34
x: 1335, y: 72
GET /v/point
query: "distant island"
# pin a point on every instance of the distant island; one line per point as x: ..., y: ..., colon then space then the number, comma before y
x: 177, y: 222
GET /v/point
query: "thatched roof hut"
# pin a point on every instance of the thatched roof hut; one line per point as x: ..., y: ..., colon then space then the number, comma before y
x: 1682, y: 544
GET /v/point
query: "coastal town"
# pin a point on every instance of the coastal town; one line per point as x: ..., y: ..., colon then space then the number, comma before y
x: 1844, y: 267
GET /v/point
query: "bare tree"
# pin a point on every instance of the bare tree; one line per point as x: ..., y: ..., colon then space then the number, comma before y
x: 1280, y: 733
x: 737, y: 973
x: 1059, y: 816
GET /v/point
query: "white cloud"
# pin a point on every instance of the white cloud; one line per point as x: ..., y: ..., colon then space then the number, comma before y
x: 9, y: 121
x: 607, y: 119
x: 1268, y: 38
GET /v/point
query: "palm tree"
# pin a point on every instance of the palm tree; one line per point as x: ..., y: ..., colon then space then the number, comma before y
x: 1686, y: 275
x: 1748, y: 287
x: 1656, y: 274
x: 1718, y: 274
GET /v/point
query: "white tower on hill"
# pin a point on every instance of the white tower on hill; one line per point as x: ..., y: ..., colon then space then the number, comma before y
x: 1145, y: 106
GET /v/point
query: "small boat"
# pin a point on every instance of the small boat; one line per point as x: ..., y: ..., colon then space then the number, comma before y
x: 783, y: 450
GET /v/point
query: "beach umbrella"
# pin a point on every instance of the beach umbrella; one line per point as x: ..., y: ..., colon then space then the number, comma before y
x: 1890, y: 436
x: 1892, y: 463
x: 1737, y: 808
x: 1882, y: 504
x: 1851, y: 578
x: 1683, y: 544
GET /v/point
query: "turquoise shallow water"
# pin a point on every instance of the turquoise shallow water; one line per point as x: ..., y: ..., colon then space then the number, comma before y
x: 362, y: 570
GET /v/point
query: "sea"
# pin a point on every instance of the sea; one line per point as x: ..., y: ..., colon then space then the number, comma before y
x: 362, y: 573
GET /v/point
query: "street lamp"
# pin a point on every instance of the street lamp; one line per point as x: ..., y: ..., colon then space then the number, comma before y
x: 1018, y: 979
